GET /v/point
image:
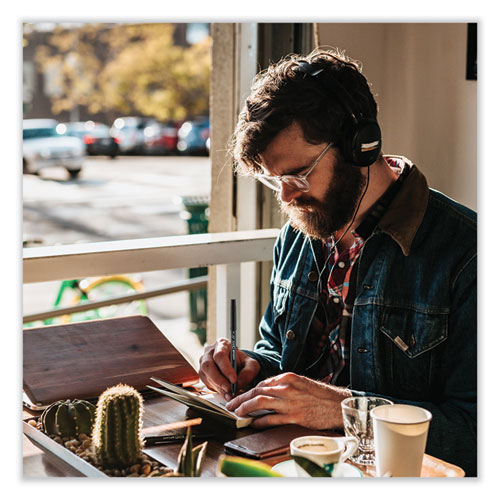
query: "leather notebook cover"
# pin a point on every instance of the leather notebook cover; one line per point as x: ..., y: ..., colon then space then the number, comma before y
x: 271, y: 442
x: 81, y: 360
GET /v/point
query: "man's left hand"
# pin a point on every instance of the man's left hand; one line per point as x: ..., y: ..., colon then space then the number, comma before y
x: 295, y: 400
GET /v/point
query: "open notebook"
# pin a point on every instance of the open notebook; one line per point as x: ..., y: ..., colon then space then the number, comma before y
x: 211, y: 403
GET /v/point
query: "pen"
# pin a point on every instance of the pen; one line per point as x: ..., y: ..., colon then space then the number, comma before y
x: 233, y: 342
x: 173, y: 438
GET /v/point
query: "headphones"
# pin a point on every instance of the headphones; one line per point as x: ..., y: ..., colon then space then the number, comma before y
x: 362, y: 138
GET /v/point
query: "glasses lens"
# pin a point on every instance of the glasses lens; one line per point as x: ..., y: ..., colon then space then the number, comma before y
x: 270, y: 182
x: 291, y: 181
x: 297, y: 183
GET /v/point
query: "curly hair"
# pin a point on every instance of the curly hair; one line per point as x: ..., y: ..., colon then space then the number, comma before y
x: 281, y: 95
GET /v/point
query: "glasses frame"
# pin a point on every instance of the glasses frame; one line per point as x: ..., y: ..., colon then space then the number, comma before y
x: 294, y: 181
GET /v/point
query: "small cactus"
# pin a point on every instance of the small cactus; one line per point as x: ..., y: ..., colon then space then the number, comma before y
x: 68, y: 418
x: 116, y: 437
x: 190, y: 459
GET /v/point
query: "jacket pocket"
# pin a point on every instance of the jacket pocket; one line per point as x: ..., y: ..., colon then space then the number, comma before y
x: 411, y: 339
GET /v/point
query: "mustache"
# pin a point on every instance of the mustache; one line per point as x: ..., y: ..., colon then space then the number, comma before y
x: 303, y: 203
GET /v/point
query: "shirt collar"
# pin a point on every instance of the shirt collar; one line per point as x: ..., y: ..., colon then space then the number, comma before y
x: 404, y: 215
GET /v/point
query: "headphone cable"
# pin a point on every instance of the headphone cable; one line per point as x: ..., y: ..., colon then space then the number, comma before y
x: 336, y: 242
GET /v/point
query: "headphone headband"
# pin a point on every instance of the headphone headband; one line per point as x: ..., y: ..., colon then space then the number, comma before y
x: 362, y: 140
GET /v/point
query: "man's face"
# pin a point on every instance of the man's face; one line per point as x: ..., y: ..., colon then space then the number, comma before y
x: 335, y: 185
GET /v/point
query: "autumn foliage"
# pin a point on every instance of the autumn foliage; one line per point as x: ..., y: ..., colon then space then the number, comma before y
x: 127, y: 68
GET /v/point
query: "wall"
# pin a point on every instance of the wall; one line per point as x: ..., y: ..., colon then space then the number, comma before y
x: 428, y: 110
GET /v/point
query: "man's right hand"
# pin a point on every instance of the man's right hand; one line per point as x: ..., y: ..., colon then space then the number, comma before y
x: 218, y: 374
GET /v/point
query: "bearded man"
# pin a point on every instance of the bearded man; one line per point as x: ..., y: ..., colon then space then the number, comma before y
x: 373, y: 288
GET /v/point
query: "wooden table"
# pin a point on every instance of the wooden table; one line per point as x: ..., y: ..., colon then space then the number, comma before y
x: 157, y: 411
x: 162, y: 410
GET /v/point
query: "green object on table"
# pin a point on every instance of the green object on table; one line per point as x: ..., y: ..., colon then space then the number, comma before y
x: 244, y: 467
x: 314, y: 470
x: 68, y: 418
x: 191, y: 458
x: 116, y: 438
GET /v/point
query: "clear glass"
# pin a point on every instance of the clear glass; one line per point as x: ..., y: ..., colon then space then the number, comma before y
x: 298, y: 182
x: 358, y: 423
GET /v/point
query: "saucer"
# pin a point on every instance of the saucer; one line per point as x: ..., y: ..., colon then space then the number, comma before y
x: 287, y: 469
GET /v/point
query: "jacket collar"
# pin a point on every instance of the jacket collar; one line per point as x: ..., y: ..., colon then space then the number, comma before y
x: 404, y: 215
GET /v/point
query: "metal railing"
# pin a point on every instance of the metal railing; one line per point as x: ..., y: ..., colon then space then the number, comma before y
x: 180, y: 286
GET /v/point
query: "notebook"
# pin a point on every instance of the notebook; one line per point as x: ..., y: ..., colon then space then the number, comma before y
x: 81, y: 360
x: 209, y: 403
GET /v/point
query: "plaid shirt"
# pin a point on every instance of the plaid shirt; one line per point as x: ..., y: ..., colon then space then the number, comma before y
x: 327, y: 350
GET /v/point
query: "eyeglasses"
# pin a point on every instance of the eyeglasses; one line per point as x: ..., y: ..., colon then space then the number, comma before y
x: 298, y: 182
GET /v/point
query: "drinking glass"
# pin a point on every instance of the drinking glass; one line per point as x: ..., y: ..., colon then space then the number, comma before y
x: 358, y: 423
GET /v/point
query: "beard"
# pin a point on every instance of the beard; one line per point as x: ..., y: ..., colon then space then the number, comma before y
x: 320, y: 219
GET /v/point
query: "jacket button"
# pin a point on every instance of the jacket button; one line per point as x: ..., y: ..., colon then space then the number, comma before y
x: 312, y: 276
x: 363, y: 350
x: 290, y: 335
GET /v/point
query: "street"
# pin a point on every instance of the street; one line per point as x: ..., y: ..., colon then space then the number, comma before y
x: 129, y: 197
x: 125, y: 198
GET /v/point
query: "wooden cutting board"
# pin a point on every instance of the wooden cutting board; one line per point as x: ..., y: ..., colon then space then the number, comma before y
x: 81, y: 360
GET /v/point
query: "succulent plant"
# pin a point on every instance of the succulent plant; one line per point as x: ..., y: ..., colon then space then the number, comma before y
x: 190, y: 459
x: 116, y: 437
x: 68, y: 418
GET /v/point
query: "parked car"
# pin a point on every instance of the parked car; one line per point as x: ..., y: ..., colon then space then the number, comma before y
x: 96, y: 137
x: 45, y: 145
x: 129, y: 130
x: 194, y: 137
x: 161, y: 138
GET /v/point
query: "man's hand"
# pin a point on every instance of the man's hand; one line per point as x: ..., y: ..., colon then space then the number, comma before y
x: 295, y: 400
x: 216, y: 370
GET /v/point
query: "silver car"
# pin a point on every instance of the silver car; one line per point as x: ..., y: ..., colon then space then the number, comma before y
x: 45, y: 146
x: 130, y: 132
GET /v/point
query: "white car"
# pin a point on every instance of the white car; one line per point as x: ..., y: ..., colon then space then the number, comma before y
x: 131, y: 133
x: 45, y: 146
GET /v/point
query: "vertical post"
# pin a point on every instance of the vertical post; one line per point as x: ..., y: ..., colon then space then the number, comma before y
x: 228, y: 287
x: 222, y: 118
x: 247, y: 199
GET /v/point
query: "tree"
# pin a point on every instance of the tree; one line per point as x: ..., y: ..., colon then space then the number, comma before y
x: 128, y: 68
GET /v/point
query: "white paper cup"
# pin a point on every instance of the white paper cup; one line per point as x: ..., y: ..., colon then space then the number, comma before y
x: 324, y: 451
x: 400, y: 433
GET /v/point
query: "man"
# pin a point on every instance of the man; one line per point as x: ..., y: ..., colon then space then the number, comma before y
x: 373, y: 289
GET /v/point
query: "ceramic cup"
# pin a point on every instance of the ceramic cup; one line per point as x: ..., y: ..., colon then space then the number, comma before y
x: 400, y: 433
x: 327, y: 452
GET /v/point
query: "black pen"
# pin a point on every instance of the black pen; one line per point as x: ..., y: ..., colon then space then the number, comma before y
x: 173, y: 438
x: 233, y: 342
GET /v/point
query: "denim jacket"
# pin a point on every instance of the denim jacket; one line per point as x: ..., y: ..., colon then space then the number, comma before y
x: 413, y: 336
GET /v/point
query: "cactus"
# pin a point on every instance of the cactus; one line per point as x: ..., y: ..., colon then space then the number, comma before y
x: 68, y: 418
x: 116, y: 437
x: 190, y: 459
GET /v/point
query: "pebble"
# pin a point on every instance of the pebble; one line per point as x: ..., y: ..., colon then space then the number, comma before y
x: 80, y: 446
x: 135, y: 468
x: 86, y: 444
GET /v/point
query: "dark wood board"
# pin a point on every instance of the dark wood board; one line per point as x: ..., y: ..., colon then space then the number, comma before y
x: 81, y: 360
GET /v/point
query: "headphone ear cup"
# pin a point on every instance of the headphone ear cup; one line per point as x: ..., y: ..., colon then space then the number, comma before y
x: 364, y: 143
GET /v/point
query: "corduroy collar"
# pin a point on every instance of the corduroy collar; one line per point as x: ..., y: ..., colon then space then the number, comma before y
x: 404, y: 215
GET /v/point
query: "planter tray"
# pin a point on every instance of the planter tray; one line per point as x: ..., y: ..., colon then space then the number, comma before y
x: 49, y: 446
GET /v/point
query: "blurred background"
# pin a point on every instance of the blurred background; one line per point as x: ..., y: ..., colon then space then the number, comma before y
x: 116, y: 139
